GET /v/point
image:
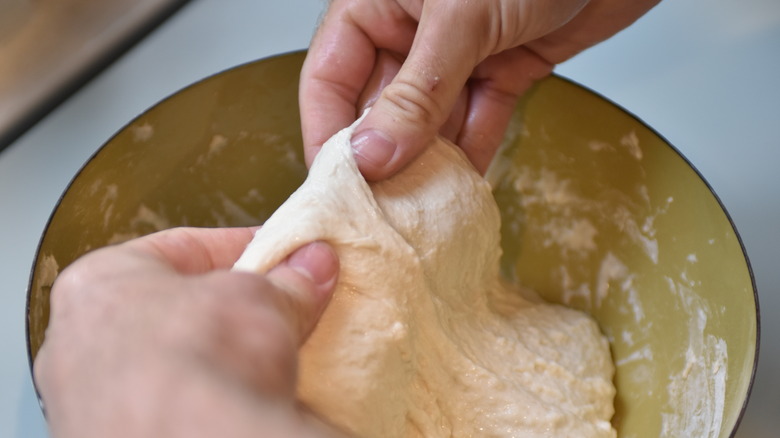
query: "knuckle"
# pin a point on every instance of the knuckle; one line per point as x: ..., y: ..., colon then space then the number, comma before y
x: 68, y: 286
x: 414, y: 103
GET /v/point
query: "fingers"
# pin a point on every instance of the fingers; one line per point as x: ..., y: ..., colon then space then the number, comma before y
x: 136, y: 326
x: 412, y: 109
x: 339, y: 62
x: 426, y: 95
x: 495, y: 87
x: 305, y: 279
x: 261, y: 321
x: 248, y: 325
x: 331, y: 81
x: 308, y: 277
x: 195, y: 250
x: 386, y: 68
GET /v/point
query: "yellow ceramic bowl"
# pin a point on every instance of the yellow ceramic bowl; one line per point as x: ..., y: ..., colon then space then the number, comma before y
x: 600, y: 213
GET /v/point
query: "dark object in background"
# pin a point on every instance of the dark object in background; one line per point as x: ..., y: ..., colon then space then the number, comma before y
x: 50, y: 48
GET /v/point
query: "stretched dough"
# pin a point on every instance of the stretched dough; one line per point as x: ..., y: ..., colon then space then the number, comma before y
x: 422, y: 338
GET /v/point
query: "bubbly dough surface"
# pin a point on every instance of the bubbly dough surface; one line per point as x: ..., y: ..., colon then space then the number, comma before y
x: 422, y: 338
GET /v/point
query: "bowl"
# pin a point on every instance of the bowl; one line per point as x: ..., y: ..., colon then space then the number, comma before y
x: 599, y: 213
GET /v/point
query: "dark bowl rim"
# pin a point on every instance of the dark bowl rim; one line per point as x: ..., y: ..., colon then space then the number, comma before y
x: 298, y: 52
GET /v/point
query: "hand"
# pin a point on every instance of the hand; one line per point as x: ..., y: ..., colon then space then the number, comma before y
x: 157, y: 338
x: 454, y: 67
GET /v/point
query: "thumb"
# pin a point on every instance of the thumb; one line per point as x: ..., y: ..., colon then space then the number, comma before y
x: 307, y: 277
x: 412, y: 108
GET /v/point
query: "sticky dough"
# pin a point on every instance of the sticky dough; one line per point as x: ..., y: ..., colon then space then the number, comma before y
x: 422, y: 338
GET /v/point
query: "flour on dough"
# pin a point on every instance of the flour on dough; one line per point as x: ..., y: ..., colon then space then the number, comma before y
x: 422, y: 337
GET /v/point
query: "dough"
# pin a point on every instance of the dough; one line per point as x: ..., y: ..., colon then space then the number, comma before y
x: 422, y: 338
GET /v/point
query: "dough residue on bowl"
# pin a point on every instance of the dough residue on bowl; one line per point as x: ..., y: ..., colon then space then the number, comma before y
x: 422, y: 336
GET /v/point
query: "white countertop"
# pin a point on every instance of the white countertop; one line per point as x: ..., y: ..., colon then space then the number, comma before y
x: 703, y: 74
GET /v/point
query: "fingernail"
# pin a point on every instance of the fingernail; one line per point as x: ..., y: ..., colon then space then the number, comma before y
x: 374, y: 147
x: 317, y: 262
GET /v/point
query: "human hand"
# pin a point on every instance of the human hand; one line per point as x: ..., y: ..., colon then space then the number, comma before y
x: 157, y: 338
x: 442, y: 66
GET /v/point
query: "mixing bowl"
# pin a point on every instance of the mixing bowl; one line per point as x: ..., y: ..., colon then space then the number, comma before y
x: 599, y: 213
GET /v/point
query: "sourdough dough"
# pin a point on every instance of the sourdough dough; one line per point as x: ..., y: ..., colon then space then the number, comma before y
x: 422, y: 338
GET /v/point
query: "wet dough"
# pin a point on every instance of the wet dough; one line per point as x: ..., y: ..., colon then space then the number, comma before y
x: 422, y: 338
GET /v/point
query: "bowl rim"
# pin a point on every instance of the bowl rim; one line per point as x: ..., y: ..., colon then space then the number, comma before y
x: 299, y: 52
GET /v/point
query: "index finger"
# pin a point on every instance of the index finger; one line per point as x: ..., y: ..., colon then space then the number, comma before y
x: 195, y: 250
x: 340, y: 61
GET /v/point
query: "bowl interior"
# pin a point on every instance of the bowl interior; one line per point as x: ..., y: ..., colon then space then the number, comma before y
x: 599, y: 212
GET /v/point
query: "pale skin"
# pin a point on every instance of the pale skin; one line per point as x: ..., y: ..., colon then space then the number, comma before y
x: 157, y: 338
x: 455, y: 67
